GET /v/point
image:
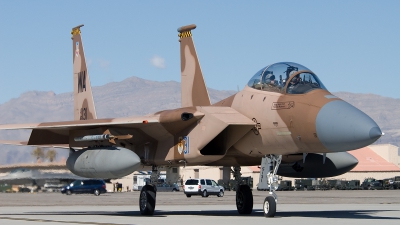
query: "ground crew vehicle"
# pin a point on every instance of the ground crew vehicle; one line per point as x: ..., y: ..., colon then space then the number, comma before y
x: 337, y: 184
x: 352, y: 185
x: 285, y: 185
x: 396, y: 184
x: 303, y: 184
x: 372, y: 184
x: 388, y: 183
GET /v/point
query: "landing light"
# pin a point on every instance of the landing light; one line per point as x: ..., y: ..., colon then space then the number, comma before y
x: 274, y: 186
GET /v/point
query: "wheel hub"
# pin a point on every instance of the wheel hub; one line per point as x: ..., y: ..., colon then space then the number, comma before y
x: 239, y: 200
x: 266, y: 207
x: 143, y: 200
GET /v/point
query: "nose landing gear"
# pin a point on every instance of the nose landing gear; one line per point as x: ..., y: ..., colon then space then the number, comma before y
x: 269, y: 181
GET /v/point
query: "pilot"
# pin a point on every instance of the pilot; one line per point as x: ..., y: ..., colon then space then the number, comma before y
x: 293, y: 83
x: 270, y: 80
x: 271, y: 84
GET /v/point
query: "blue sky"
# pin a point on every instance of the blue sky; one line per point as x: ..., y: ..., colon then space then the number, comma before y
x: 352, y: 46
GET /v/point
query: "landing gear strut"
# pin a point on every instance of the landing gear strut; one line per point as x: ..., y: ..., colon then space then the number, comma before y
x: 147, y: 199
x: 269, y: 180
x: 244, y: 196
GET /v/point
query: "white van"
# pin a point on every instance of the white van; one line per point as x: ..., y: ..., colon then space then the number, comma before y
x: 203, y: 187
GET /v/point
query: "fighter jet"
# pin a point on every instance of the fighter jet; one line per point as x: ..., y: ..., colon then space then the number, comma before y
x: 284, y: 119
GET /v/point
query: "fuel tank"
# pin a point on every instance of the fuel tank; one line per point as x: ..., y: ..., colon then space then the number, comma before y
x: 103, y: 162
x: 314, y: 166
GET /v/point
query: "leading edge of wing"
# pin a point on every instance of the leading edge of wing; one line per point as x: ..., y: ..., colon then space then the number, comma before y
x: 83, y: 123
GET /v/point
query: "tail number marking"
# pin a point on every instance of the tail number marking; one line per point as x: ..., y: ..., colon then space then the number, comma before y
x: 81, y: 81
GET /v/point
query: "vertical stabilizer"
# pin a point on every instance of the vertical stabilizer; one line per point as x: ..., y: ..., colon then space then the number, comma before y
x: 193, y: 87
x: 83, y: 98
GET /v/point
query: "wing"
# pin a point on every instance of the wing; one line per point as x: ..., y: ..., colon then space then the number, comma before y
x: 142, y: 129
x: 204, y: 124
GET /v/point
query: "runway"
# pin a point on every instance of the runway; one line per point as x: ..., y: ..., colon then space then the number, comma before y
x: 325, y: 207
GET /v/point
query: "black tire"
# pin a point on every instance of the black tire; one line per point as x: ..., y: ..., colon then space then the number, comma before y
x: 96, y: 192
x: 221, y: 193
x: 244, y: 200
x: 269, y: 206
x: 204, y: 194
x: 174, y: 190
x: 147, y: 200
x: 68, y: 192
x: 188, y: 196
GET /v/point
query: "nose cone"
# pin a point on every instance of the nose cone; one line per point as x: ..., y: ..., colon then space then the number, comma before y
x: 342, y: 127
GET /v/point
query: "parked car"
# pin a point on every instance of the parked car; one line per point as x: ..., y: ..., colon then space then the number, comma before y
x: 203, y: 187
x: 95, y: 187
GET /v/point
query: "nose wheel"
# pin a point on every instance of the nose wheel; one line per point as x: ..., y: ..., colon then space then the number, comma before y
x: 269, y: 206
x: 269, y: 181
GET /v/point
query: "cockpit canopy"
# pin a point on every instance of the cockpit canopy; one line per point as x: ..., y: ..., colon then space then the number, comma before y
x: 285, y: 77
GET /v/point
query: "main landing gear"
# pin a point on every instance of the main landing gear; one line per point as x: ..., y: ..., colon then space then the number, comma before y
x: 147, y: 199
x: 269, y: 180
x: 244, y: 196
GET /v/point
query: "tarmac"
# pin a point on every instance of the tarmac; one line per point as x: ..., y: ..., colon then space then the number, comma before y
x: 294, y: 207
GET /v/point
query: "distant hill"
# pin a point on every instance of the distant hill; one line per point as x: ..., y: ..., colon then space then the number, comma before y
x: 136, y: 96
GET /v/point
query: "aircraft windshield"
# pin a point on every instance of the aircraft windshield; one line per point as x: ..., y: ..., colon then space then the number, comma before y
x: 274, y: 78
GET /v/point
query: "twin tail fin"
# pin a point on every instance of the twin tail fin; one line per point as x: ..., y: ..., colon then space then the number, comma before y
x: 193, y: 87
x: 83, y: 98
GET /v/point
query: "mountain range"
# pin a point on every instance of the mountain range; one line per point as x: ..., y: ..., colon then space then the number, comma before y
x: 135, y: 96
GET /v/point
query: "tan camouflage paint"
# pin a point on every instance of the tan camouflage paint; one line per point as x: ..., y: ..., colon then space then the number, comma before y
x: 288, y: 129
x: 194, y: 90
x: 83, y: 99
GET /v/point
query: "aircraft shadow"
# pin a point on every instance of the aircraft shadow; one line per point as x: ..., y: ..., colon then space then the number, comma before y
x: 341, y: 214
